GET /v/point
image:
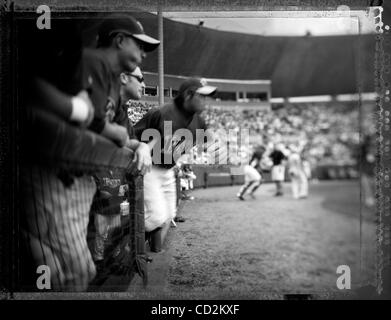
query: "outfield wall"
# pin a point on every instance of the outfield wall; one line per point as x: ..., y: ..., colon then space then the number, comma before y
x: 208, y: 176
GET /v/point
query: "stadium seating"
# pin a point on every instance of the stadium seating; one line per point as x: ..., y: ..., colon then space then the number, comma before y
x: 329, y: 132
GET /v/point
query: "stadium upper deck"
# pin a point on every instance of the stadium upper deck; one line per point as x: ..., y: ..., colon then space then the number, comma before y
x: 296, y: 66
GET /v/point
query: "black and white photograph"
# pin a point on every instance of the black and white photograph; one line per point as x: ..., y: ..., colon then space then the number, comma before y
x: 163, y: 151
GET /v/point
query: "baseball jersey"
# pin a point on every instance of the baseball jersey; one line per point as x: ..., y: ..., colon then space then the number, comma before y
x: 104, y: 91
x: 121, y: 117
x: 172, y: 145
x: 277, y: 156
x: 294, y: 162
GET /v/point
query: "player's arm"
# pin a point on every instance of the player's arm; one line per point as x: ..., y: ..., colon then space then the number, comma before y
x: 78, y: 109
x: 132, y: 144
x: 142, y: 156
x: 116, y: 133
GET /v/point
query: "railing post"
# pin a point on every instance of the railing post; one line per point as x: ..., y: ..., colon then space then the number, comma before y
x: 137, y: 222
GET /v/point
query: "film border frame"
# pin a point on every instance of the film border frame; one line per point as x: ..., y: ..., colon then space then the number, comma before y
x: 8, y: 123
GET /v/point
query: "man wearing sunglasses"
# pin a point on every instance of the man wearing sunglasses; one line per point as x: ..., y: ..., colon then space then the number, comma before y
x: 132, y: 85
x: 132, y: 88
x: 111, y: 187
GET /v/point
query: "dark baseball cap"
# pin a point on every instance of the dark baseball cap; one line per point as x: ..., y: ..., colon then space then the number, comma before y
x: 127, y: 25
x: 198, y: 85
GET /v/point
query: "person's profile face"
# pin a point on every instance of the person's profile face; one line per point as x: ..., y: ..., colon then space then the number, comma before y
x: 133, y: 86
x: 131, y: 53
x: 195, y: 103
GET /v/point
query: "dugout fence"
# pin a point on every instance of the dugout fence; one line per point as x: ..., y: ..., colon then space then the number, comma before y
x: 54, y: 156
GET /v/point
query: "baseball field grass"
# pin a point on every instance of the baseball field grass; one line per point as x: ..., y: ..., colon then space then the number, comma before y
x: 266, y: 247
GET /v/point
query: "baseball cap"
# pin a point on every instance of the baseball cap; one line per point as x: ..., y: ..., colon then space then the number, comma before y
x: 127, y: 25
x: 198, y: 85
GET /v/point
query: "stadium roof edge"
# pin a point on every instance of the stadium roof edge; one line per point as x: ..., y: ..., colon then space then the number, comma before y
x: 365, y: 96
x: 240, y: 81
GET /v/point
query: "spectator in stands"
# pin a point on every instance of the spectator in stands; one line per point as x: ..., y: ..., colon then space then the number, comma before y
x: 329, y: 133
x: 160, y: 183
x: 137, y: 110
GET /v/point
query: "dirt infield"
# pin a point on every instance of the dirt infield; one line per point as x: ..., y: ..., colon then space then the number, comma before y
x: 267, y: 247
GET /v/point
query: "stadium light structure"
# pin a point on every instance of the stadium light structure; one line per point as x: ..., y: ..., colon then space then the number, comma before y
x: 160, y: 55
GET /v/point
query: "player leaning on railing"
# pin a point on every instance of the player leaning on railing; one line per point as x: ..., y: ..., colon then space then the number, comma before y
x: 112, y: 187
x: 58, y: 205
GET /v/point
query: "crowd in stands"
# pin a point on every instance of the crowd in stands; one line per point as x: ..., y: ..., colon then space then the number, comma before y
x: 137, y: 109
x: 328, y: 132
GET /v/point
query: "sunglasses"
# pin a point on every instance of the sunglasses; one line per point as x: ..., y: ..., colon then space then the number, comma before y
x: 139, y: 78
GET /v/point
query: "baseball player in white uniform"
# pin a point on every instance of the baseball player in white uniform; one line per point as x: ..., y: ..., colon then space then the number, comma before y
x: 252, y: 175
x: 299, y: 181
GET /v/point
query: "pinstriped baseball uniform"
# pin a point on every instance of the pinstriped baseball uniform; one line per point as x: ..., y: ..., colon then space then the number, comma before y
x: 56, y: 213
x: 55, y: 226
